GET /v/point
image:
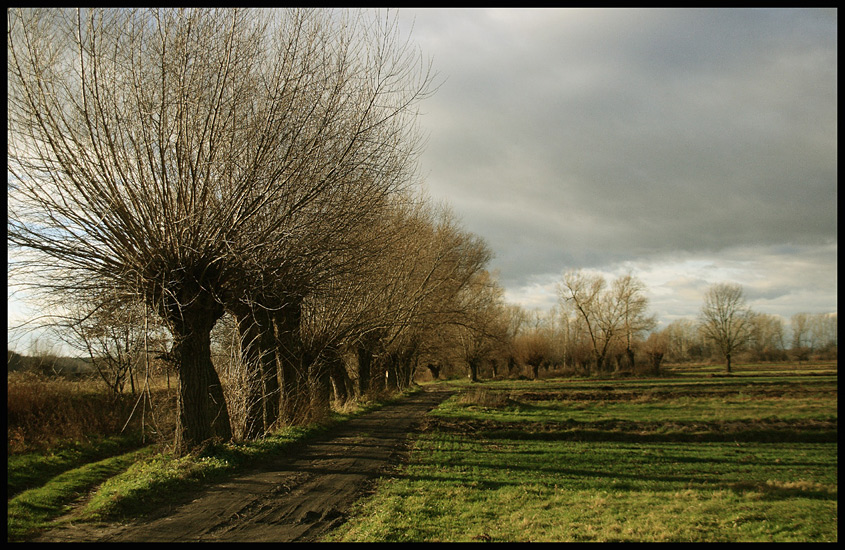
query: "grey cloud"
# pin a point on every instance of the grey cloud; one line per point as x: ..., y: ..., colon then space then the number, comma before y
x: 591, y: 137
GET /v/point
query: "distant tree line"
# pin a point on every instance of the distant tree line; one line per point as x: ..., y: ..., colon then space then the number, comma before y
x: 602, y: 327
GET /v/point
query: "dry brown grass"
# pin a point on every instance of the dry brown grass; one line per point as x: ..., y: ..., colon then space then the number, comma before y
x: 484, y: 398
x: 46, y: 411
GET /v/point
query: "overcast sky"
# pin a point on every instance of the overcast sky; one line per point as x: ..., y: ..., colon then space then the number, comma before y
x: 688, y: 146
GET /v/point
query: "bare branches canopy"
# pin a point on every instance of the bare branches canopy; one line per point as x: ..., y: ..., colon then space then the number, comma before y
x: 193, y: 158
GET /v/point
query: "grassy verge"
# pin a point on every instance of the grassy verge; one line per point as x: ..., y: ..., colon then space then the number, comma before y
x: 133, y: 484
x: 730, y: 460
x: 165, y: 478
x: 33, y: 510
x: 34, y: 469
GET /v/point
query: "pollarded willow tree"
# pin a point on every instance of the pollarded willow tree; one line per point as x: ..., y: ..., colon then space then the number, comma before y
x: 423, y: 275
x: 183, y: 156
x: 377, y: 318
x: 368, y: 153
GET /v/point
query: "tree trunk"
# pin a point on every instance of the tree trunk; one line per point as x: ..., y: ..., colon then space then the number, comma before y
x: 367, y: 365
x: 341, y: 383
x: 599, y: 362
x: 435, y: 370
x: 473, y: 370
x: 270, y: 372
x: 402, y: 367
x: 294, y: 386
x: 319, y: 389
x: 202, y: 412
x: 511, y: 365
x: 220, y: 421
x: 365, y: 361
x: 411, y: 363
x: 656, y: 360
x: 728, y: 362
x: 251, y: 350
x: 378, y: 376
x: 371, y: 370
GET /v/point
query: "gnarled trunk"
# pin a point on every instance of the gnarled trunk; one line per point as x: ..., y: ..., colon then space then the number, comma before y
x: 319, y: 387
x: 260, y: 355
x: 365, y: 361
x: 473, y: 365
x: 270, y: 372
x: 202, y: 412
x: 294, y: 386
x: 342, y: 385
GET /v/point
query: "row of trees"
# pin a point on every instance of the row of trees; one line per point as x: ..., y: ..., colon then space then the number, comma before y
x: 769, y: 339
x: 483, y: 336
x: 176, y: 166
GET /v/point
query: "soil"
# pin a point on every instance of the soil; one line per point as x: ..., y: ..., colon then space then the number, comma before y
x: 294, y: 498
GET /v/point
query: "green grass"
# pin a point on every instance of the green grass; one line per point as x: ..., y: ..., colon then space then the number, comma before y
x: 132, y: 484
x: 693, y: 459
x: 33, y: 510
x: 31, y: 470
x: 684, y: 457
x: 163, y: 477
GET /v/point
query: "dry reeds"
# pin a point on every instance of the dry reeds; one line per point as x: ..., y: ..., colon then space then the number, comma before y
x: 45, y: 411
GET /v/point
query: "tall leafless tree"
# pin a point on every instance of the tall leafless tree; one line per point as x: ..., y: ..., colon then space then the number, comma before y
x: 412, y: 291
x: 480, y: 324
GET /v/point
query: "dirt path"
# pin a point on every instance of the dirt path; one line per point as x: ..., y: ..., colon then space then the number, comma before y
x: 296, y: 498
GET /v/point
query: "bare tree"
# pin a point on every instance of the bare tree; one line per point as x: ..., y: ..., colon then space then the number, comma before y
x: 480, y: 328
x: 629, y: 295
x: 409, y: 291
x: 534, y: 349
x: 800, y: 323
x: 584, y: 294
x: 166, y: 153
x: 813, y: 332
x: 117, y: 337
x: 655, y: 349
x: 726, y: 319
x: 683, y: 340
x: 364, y: 159
x: 823, y: 329
x: 608, y: 315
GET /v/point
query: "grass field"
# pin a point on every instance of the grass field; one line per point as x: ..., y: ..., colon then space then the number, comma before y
x: 695, y: 456
x: 690, y: 456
